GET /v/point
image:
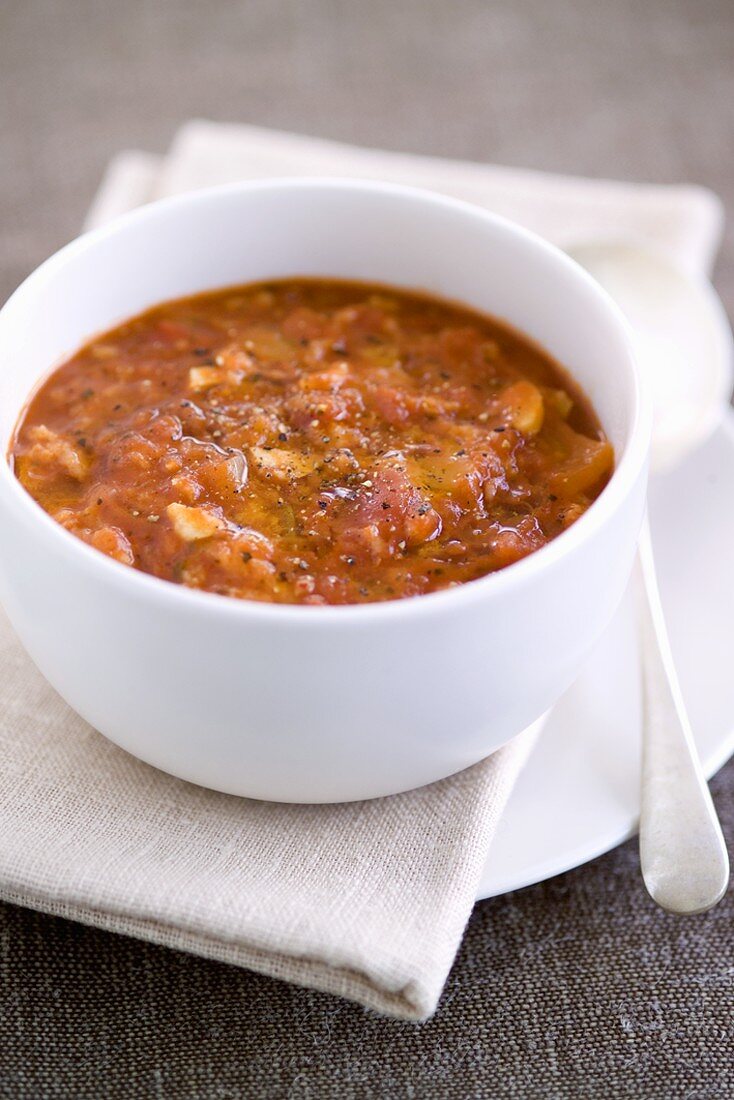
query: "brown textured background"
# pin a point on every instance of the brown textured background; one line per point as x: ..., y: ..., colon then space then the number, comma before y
x: 577, y: 987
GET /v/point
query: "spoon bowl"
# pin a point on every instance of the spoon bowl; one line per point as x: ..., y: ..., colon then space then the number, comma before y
x: 682, y: 340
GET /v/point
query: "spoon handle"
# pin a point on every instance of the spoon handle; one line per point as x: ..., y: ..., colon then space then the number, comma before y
x: 685, y: 865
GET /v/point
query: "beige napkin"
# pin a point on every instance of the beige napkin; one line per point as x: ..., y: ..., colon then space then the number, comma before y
x: 367, y: 900
x: 684, y: 222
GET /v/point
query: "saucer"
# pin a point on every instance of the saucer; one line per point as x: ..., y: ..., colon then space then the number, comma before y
x: 579, y: 793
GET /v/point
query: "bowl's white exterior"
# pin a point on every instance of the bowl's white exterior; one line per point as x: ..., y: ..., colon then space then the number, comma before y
x: 299, y: 703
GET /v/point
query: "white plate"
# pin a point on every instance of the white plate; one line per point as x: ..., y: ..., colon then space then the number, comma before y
x: 579, y: 793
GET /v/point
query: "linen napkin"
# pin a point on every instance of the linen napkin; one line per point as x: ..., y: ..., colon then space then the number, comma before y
x: 684, y: 222
x: 366, y: 900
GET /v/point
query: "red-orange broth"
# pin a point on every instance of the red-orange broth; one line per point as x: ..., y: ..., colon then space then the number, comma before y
x: 312, y: 441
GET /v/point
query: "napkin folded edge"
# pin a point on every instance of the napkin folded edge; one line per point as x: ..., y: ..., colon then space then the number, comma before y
x: 413, y: 998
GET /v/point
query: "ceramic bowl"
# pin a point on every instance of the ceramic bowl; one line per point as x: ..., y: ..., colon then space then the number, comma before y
x: 317, y: 704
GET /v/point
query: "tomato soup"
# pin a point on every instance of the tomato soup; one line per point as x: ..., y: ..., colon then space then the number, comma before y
x: 312, y: 441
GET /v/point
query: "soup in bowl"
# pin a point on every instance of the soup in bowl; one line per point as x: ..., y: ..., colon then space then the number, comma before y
x: 315, y: 442
x: 338, y: 483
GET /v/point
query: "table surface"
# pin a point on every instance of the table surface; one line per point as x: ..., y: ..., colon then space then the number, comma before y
x: 577, y: 987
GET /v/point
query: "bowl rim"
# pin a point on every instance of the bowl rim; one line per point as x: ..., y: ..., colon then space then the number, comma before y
x: 631, y: 462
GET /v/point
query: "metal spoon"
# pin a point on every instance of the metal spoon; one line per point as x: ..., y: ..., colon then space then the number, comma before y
x: 684, y: 348
x: 685, y: 865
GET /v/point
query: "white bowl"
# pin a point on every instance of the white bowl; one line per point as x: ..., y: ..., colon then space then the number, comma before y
x: 317, y: 704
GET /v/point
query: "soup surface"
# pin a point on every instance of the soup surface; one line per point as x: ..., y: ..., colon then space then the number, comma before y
x: 312, y: 441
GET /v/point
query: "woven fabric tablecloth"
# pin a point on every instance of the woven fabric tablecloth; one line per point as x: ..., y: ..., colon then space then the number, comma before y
x: 577, y: 987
